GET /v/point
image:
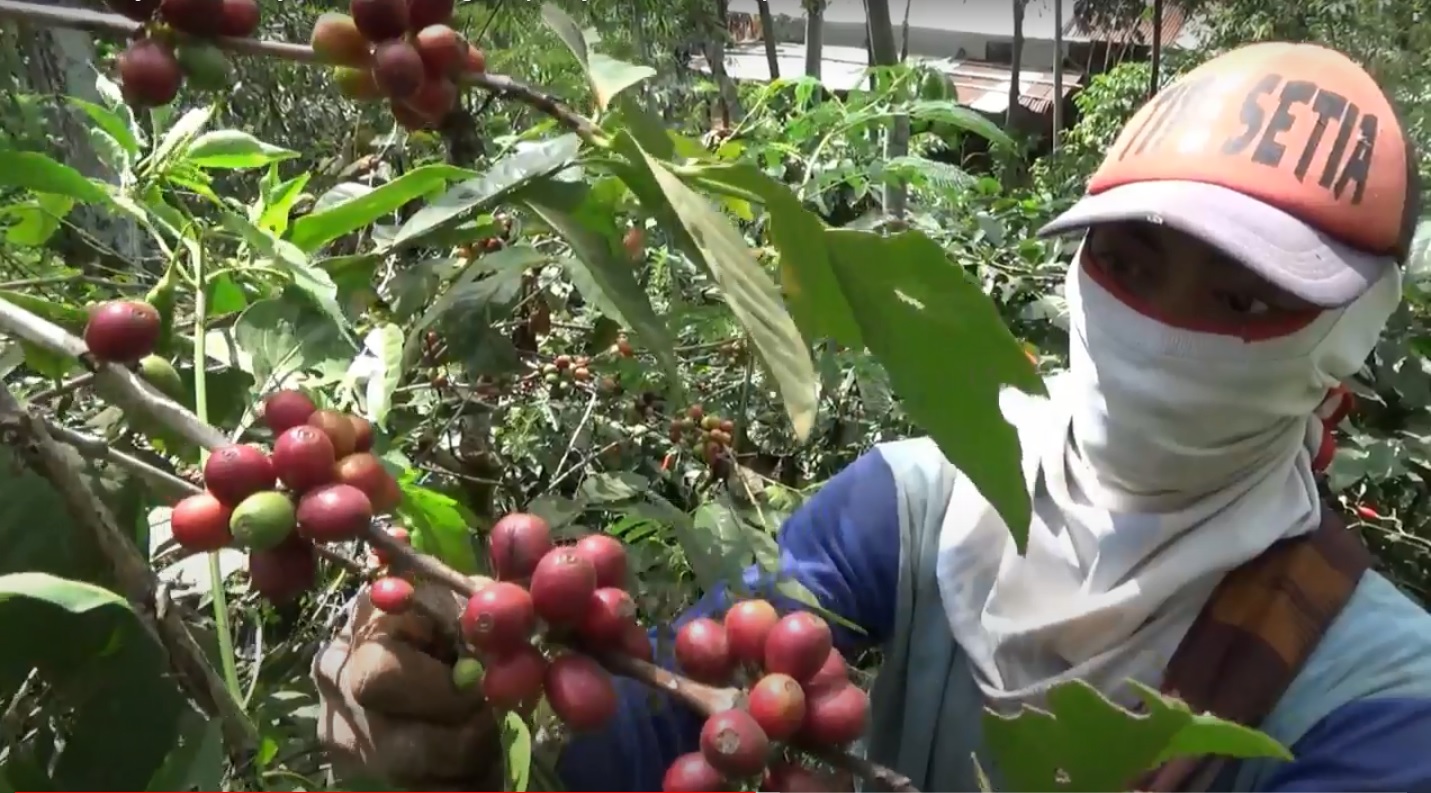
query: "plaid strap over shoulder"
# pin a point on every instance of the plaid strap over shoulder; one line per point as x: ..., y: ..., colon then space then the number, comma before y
x: 1257, y: 630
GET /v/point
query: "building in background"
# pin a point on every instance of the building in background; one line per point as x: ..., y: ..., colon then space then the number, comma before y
x: 970, y: 41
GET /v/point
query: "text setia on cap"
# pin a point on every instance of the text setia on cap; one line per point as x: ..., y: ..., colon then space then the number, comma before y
x: 1287, y: 157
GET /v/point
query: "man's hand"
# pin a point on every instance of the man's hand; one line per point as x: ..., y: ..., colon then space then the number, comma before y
x: 389, y: 707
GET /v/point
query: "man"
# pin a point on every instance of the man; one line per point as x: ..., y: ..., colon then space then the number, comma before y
x: 1242, y: 252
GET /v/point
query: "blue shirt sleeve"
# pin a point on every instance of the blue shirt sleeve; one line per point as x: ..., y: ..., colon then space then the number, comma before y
x: 843, y: 545
x: 1369, y: 745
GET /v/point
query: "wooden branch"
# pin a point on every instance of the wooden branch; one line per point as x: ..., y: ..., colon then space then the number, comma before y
x: 116, y: 384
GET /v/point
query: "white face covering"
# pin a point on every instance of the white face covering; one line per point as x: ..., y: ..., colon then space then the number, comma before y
x: 1163, y: 459
x: 1167, y: 415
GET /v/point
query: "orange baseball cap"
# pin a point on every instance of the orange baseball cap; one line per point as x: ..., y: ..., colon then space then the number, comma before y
x: 1287, y: 157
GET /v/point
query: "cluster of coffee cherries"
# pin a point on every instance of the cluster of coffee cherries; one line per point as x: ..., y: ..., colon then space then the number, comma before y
x: 155, y: 65
x: 563, y: 367
x: 545, y: 597
x: 802, y: 696
x: 552, y: 607
x: 403, y: 51
x: 320, y: 484
x: 622, y: 347
x: 709, y: 435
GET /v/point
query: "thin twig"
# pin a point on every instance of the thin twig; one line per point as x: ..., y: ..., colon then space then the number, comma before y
x: 72, y: 384
x: 100, y: 449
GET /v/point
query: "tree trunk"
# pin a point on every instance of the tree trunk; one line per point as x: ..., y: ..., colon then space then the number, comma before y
x: 1155, y: 64
x: 730, y: 109
x: 814, y: 37
x: 1057, y: 76
x: 638, y: 33
x: 767, y: 34
x: 1016, y: 67
x: 882, y: 47
x: 904, y: 33
x: 58, y: 63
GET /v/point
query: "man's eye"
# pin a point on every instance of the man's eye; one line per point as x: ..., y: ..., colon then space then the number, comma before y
x: 1114, y: 265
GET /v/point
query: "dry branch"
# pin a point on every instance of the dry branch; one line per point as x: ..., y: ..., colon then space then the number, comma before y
x: 136, y: 581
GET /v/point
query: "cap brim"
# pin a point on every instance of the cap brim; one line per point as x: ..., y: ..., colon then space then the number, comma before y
x: 1263, y: 238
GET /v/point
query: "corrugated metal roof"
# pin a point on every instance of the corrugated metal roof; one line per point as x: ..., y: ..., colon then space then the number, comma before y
x: 1175, y: 17
x: 987, y: 18
x: 977, y: 84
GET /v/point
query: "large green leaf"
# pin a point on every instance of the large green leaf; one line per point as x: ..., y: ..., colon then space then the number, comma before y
x: 28, y: 500
x: 282, y: 335
x: 230, y: 148
x: 34, y: 171
x: 516, y: 753
x: 491, y: 281
x: 607, y: 75
x: 110, y: 122
x: 806, y: 274
x: 474, y: 194
x: 1084, y: 742
x: 36, y: 220
x: 440, y: 526
x: 284, y: 255
x: 948, y: 354
x: 320, y: 228
x: 604, y: 276
x: 125, y: 707
x: 752, y: 296
x: 383, y: 349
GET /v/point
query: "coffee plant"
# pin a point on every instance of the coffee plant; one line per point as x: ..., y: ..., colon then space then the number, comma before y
x: 565, y: 385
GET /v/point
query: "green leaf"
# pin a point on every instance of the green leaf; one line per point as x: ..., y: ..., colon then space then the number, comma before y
x: 806, y: 274
x: 312, y: 232
x: 113, y: 125
x: 948, y: 354
x: 279, y: 198
x: 1084, y: 742
x: 189, y: 126
x: 473, y: 195
x: 123, y: 708
x: 197, y: 762
x: 611, y: 487
x: 383, y: 346
x: 232, y: 149
x: 752, y: 296
x: 282, y: 335
x: 492, y: 279
x: 75, y: 597
x: 440, y: 526
x: 716, y: 545
x: 34, y: 171
x: 311, y: 280
x: 608, y: 76
x: 516, y: 753
x: 38, y: 219
x: 604, y: 276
